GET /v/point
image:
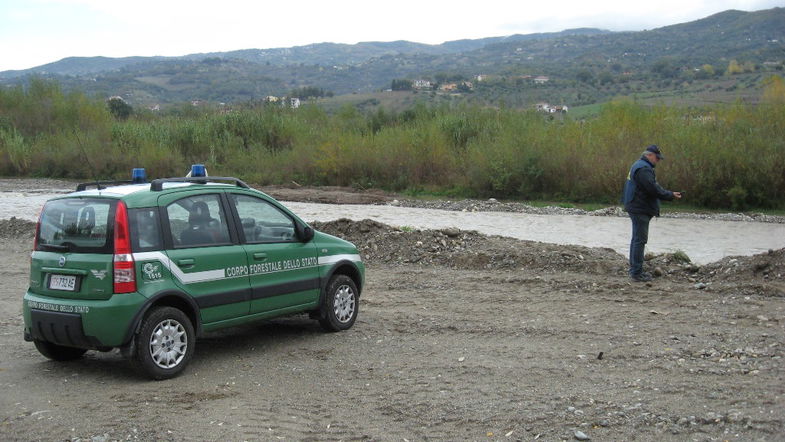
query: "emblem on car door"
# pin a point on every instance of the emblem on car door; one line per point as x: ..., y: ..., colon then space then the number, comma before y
x: 61, y: 262
x: 100, y: 274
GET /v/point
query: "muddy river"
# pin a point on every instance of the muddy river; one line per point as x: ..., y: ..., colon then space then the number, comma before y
x: 702, y: 240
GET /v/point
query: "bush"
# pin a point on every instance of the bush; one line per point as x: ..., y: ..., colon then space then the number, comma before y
x: 723, y: 156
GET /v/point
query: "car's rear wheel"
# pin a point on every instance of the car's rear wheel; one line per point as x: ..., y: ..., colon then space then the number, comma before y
x: 165, y: 343
x: 340, y: 304
x: 58, y: 352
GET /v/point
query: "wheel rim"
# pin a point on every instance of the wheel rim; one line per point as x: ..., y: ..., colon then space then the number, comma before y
x: 168, y: 343
x: 344, y: 304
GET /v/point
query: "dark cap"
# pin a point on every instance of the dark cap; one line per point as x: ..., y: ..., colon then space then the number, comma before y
x: 656, y: 151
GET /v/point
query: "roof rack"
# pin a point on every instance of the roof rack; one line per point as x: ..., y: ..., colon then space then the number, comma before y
x: 100, y: 184
x: 158, y: 184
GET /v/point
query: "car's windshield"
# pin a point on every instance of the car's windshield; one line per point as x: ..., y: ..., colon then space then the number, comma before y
x: 76, y: 225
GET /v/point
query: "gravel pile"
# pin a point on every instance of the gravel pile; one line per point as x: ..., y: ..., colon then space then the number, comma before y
x: 16, y: 228
x: 759, y: 275
x: 460, y: 249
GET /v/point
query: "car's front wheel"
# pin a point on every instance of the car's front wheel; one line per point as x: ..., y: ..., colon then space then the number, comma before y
x: 340, y: 304
x: 165, y: 343
x: 58, y: 352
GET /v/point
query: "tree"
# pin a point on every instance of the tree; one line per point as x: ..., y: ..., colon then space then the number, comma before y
x: 119, y: 108
x: 734, y: 68
x: 705, y: 72
x: 665, y: 68
x: 774, y: 90
x: 307, y: 92
x: 585, y: 76
x: 401, y: 85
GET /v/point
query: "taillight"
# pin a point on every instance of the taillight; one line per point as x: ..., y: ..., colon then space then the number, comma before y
x: 37, y: 233
x: 124, y: 274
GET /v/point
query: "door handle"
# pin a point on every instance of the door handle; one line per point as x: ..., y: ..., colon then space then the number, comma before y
x: 186, y: 262
x: 260, y: 256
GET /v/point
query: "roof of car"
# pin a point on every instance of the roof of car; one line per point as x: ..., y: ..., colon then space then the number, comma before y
x: 143, y: 195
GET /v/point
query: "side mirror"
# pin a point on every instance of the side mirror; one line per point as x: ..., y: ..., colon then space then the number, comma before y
x: 304, y: 232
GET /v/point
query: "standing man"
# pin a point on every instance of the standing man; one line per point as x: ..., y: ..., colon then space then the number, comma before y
x: 642, y: 195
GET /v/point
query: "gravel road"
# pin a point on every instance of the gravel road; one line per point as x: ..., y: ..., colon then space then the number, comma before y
x: 460, y: 337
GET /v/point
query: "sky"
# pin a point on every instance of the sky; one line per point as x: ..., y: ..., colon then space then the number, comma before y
x: 36, y: 32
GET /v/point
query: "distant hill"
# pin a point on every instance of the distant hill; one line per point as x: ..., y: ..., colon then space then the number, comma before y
x: 583, y: 65
x: 313, y: 54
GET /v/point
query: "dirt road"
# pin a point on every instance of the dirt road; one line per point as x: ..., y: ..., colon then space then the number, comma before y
x: 460, y: 337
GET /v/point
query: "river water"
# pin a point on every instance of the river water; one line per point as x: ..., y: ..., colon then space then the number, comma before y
x: 703, y: 241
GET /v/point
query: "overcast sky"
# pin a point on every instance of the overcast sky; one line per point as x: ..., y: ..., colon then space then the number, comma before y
x: 36, y: 32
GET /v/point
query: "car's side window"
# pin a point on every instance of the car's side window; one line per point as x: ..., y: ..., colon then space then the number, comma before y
x: 145, y: 231
x: 198, y: 221
x: 263, y: 222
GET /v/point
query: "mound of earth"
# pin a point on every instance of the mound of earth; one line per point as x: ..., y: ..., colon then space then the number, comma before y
x: 461, y: 249
x: 468, y: 250
x: 16, y: 228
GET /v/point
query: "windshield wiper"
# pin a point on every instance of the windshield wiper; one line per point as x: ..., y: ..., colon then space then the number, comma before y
x: 59, y: 248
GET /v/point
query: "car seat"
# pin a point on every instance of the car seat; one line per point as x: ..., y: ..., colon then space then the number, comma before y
x: 199, y: 225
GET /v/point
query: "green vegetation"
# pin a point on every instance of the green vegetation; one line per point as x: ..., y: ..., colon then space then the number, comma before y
x: 724, y: 156
x: 680, y: 257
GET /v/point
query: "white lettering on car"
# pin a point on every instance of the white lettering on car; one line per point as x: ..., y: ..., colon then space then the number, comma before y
x: 58, y: 307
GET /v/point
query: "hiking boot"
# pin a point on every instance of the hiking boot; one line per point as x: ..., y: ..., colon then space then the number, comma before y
x: 641, y: 277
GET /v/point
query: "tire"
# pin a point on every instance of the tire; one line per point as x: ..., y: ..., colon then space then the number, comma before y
x: 58, y: 352
x: 165, y: 343
x: 340, y: 304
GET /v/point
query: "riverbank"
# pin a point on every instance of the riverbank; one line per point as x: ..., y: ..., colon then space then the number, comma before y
x: 348, y: 195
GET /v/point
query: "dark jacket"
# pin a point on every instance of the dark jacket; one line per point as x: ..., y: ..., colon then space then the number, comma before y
x: 642, y: 193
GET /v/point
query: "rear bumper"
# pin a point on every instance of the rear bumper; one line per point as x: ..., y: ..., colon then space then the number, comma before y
x: 80, y: 323
x: 59, y: 328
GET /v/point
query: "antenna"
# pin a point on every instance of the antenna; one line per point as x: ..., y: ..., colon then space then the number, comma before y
x: 86, y: 157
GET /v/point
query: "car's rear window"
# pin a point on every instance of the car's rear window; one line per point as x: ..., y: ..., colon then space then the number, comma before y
x: 77, y: 225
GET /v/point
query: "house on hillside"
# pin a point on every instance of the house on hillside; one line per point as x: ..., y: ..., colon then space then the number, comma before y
x: 541, y: 79
x: 549, y: 109
x: 421, y: 84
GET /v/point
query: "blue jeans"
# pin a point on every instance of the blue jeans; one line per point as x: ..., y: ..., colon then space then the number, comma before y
x: 640, y: 236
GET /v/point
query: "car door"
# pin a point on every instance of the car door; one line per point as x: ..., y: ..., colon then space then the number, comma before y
x: 283, y: 270
x: 205, y: 257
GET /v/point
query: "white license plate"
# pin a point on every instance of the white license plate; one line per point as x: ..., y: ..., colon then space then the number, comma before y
x: 62, y: 282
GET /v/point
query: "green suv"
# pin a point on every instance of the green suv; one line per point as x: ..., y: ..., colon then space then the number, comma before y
x: 147, y: 267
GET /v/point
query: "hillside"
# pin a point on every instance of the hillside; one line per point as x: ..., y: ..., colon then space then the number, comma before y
x: 584, y: 66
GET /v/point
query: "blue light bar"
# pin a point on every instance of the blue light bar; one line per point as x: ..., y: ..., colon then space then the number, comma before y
x: 198, y: 170
x: 138, y: 175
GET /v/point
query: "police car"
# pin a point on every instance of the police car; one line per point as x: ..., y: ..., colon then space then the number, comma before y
x: 148, y: 267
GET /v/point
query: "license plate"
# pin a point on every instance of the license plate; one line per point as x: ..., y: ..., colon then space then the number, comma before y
x: 62, y: 282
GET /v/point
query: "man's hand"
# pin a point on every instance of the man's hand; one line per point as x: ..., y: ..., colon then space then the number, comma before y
x: 677, y: 195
